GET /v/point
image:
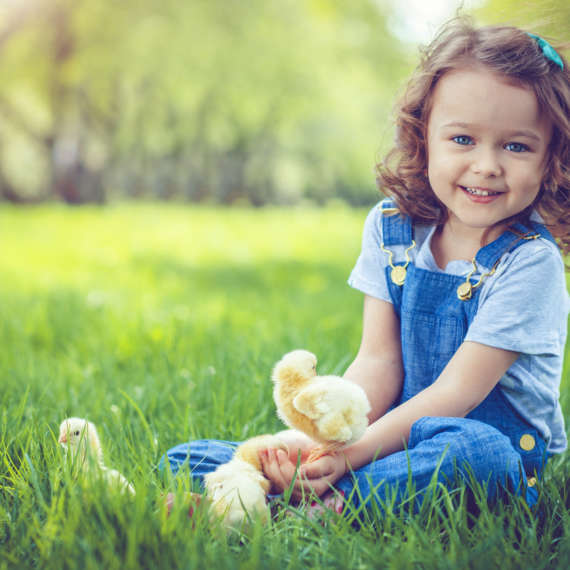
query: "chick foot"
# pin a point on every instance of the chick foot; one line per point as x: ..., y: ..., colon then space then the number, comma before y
x: 322, y: 450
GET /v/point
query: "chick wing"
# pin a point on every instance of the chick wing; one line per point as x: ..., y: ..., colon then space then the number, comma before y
x: 338, y: 408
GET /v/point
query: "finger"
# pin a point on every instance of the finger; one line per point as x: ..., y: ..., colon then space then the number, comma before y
x: 321, y: 467
x: 282, y: 457
x: 273, y: 473
x: 288, y: 469
x: 275, y: 468
x: 306, y: 490
x: 265, y: 464
x: 296, y: 454
x: 302, y: 488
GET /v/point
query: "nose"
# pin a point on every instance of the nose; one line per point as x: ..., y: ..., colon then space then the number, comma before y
x: 486, y: 162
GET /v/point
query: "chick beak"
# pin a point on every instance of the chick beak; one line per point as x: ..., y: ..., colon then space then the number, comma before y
x: 62, y: 438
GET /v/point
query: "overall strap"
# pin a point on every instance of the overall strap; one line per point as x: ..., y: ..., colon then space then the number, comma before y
x: 396, y: 227
x: 543, y: 231
x: 397, y: 230
x: 516, y: 235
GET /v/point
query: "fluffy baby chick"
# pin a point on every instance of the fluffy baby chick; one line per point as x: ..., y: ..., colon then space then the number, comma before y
x: 79, y: 437
x: 328, y: 409
x: 239, y: 488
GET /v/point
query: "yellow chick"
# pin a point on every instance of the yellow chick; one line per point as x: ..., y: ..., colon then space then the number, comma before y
x: 79, y: 437
x: 239, y: 488
x: 328, y: 409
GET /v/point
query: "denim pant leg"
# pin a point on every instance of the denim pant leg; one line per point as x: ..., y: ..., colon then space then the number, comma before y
x: 201, y: 456
x: 457, y: 448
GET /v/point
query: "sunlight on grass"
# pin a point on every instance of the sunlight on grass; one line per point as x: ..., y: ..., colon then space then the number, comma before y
x: 57, y: 246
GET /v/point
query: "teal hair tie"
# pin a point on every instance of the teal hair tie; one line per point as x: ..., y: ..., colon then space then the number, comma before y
x: 548, y: 51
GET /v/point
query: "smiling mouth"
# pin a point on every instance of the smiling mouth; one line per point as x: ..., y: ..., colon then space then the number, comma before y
x: 479, y: 192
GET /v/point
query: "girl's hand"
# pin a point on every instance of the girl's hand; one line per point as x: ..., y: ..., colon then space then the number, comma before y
x: 320, y: 475
x: 298, y: 443
x: 316, y: 477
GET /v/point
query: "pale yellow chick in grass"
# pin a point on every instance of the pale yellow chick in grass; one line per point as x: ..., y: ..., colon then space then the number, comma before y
x: 239, y: 488
x: 79, y: 437
x: 329, y: 409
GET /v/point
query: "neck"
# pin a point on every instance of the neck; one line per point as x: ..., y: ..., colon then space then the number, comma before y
x: 453, y: 241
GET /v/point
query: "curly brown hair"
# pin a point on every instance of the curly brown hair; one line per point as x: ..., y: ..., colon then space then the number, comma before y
x: 502, y: 49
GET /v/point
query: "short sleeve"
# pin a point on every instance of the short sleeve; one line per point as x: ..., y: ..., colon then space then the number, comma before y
x: 525, y: 306
x: 369, y: 275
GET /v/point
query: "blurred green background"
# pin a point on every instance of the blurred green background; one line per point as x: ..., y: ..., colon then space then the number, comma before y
x: 217, y: 101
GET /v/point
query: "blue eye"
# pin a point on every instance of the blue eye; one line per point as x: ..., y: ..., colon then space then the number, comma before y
x: 462, y: 140
x: 516, y: 147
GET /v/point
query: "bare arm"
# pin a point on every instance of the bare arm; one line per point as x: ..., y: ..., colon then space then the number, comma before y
x: 378, y: 367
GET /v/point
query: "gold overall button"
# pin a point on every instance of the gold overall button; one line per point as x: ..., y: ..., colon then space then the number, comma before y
x: 527, y: 442
x: 398, y: 274
x: 531, y: 481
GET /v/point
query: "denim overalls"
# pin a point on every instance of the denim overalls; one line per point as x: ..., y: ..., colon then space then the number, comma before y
x: 493, y: 444
x: 498, y: 445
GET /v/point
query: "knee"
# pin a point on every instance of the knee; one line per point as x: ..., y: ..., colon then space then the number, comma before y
x: 470, y: 444
x: 462, y: 436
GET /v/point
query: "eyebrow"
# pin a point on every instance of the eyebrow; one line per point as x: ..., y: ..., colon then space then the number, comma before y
x: 521, y: 133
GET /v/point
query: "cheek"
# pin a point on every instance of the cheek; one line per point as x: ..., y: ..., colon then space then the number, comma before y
x: 439, y: 173
x: 546, y: 174
x: 441, y: 164
x: 433, y: 171
x: 530, y: 183
x: 533, y: 193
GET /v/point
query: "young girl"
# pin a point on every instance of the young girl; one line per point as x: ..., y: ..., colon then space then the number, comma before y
x: 465, y: 301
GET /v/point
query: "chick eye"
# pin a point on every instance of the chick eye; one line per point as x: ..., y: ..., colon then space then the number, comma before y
x: 516, y: 147
x: 462, y: 140
x: 76, y: 432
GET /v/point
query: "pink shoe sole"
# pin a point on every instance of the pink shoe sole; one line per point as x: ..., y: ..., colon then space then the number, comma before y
x: 193, y: 498
x: 330, y: 502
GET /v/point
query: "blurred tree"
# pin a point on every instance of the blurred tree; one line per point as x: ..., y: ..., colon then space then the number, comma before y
x: 223, y: 100
x: 550, y: 18
x: 44, y: 129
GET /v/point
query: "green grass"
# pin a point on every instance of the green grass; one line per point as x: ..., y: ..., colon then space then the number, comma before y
x: 161, y: 324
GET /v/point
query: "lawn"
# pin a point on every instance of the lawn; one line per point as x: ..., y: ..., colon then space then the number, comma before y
x: 161, y: 324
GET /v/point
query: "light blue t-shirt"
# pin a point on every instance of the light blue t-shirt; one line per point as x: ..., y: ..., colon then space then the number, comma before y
x: 523, y: 307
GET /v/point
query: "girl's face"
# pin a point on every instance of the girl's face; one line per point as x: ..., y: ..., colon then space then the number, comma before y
x: 487, y: 144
